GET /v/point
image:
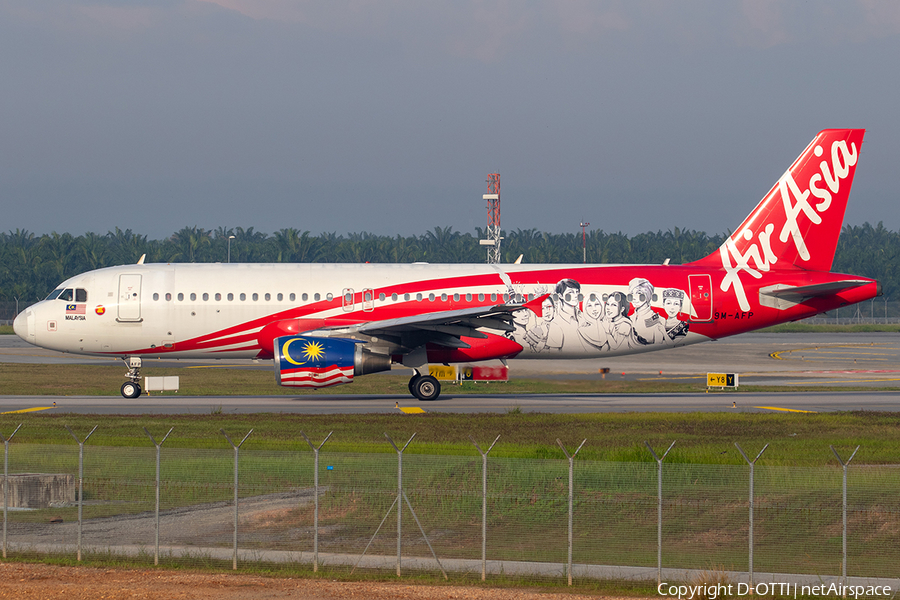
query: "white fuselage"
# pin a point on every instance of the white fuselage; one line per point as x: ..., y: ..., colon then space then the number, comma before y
x: 216, y: 310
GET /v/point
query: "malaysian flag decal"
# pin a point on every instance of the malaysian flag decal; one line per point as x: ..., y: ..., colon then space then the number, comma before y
x: 74, y: 309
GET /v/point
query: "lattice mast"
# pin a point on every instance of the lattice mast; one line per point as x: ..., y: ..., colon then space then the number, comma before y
x: 493, y: 219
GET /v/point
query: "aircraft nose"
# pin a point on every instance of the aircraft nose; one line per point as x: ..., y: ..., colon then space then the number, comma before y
x: 23, y: 325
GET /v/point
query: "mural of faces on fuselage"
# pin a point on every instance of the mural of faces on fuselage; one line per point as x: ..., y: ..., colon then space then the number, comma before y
x: 593, y: 308
x: 577, y: 325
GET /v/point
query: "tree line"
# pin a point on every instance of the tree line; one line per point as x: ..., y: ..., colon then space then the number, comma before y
x: 31, y: 266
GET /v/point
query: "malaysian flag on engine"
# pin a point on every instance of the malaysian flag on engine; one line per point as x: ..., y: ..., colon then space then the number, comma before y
x: 74, y: 309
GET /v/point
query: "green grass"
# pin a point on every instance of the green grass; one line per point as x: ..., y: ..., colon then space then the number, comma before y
x: 702, y: 438
x: 797, y: 481
x: 6, y: 330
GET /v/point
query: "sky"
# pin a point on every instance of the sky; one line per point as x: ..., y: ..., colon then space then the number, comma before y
x: 387, y: 117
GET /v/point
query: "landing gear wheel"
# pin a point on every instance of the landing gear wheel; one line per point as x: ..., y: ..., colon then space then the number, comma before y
x: 131, y: 390
x: 412, y: 381
x: 425, y: 387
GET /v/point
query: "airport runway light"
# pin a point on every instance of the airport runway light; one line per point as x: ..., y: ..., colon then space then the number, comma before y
x: 230, y: 237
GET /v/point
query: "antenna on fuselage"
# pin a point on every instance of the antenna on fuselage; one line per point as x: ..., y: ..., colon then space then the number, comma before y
x: 141, y: 259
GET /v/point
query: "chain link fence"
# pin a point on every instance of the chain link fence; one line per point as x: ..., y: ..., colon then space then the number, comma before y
x: 450, y: 515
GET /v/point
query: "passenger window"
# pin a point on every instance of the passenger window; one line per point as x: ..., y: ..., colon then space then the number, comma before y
x: 304, y: 297
x: 348, y: 298
x: 193, y: 296
x: 268, y: 296
x: 381, y: 297
x: 419, y: 297
x: 481, y: 297
x: 280, y: 297
x: 255, y: 296
x: 155, y: 296
x: 293, y: 297
x: 66, y: 295
x: 205, y: 296
x: 494, y: 297
x: 393, y: 297
x: 329, y: 297
x: 468, y: 297
x: 230, y: 297
x: 443, y: 297
x: 243, y: 296
x: 456, y: 297
x: 317, y: 297
x: 168, y: 296
x: 181, y: 296
x: 406, y: 297
x: 218, y: 297
x: 80, y: 295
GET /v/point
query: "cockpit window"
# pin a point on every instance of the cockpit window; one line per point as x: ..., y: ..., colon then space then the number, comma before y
x: 66, y: 295
x: 80, y: 295
x: 54, y: 294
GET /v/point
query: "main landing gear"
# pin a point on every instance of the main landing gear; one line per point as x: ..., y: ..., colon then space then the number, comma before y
x: 424, y: 387
x: 132, y: 387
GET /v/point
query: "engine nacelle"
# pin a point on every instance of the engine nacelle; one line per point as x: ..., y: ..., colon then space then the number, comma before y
x: 302, y: 361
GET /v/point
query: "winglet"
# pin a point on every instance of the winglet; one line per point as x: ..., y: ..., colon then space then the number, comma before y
x: 141, y: 259
x: 535, y: 305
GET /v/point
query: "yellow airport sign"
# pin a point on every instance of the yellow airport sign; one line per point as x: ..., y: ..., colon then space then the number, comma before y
x: 721, y: 380
x: 444, y: 372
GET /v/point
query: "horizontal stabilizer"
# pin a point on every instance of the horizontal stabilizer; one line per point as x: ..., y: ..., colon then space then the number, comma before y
x: 783, y: 296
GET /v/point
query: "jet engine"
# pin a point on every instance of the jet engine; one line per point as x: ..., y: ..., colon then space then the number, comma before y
x: 303, y: 361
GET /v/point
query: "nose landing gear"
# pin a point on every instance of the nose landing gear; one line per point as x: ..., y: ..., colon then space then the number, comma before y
x: 132, y: 387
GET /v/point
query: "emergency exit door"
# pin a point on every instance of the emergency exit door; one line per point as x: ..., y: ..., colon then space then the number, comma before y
x: 701, y: 297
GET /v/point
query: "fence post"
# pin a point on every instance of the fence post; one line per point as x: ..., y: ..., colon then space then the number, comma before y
x: 751, y: 463
x: 158, y: 445
x: 316, y: 491
x: 6, y: 482
x: 399, y: 491
x: 484, y: 503
x: 81, y: 444
x: 659, y: 462
x: 571, y: 499
x: 844, y: 515
x: 236, y: 449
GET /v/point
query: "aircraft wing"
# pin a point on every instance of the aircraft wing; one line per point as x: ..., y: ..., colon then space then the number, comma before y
x: 444, y: 328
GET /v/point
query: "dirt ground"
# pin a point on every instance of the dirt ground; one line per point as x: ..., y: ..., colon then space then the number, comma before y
x: 47, y: 582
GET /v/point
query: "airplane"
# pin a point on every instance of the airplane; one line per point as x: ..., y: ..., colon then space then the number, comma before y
x: 326, y: 324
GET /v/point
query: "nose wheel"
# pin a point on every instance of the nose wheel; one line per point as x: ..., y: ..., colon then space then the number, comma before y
x: 425, y: 387
x: 132, y: 388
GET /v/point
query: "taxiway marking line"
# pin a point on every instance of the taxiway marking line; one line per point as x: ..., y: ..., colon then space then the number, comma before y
x: 27, y: 410
x: 411, y: 410
x: 786, y: 409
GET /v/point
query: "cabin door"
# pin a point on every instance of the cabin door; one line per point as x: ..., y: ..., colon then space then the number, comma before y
x: 129, y: 298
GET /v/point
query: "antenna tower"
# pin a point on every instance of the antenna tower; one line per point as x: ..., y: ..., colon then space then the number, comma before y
x: 493, y: 219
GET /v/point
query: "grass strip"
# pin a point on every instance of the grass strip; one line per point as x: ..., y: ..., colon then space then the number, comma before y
x: 702, y: 438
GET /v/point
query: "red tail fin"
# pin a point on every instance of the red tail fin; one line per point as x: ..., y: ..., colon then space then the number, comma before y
x: 799, y: 221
